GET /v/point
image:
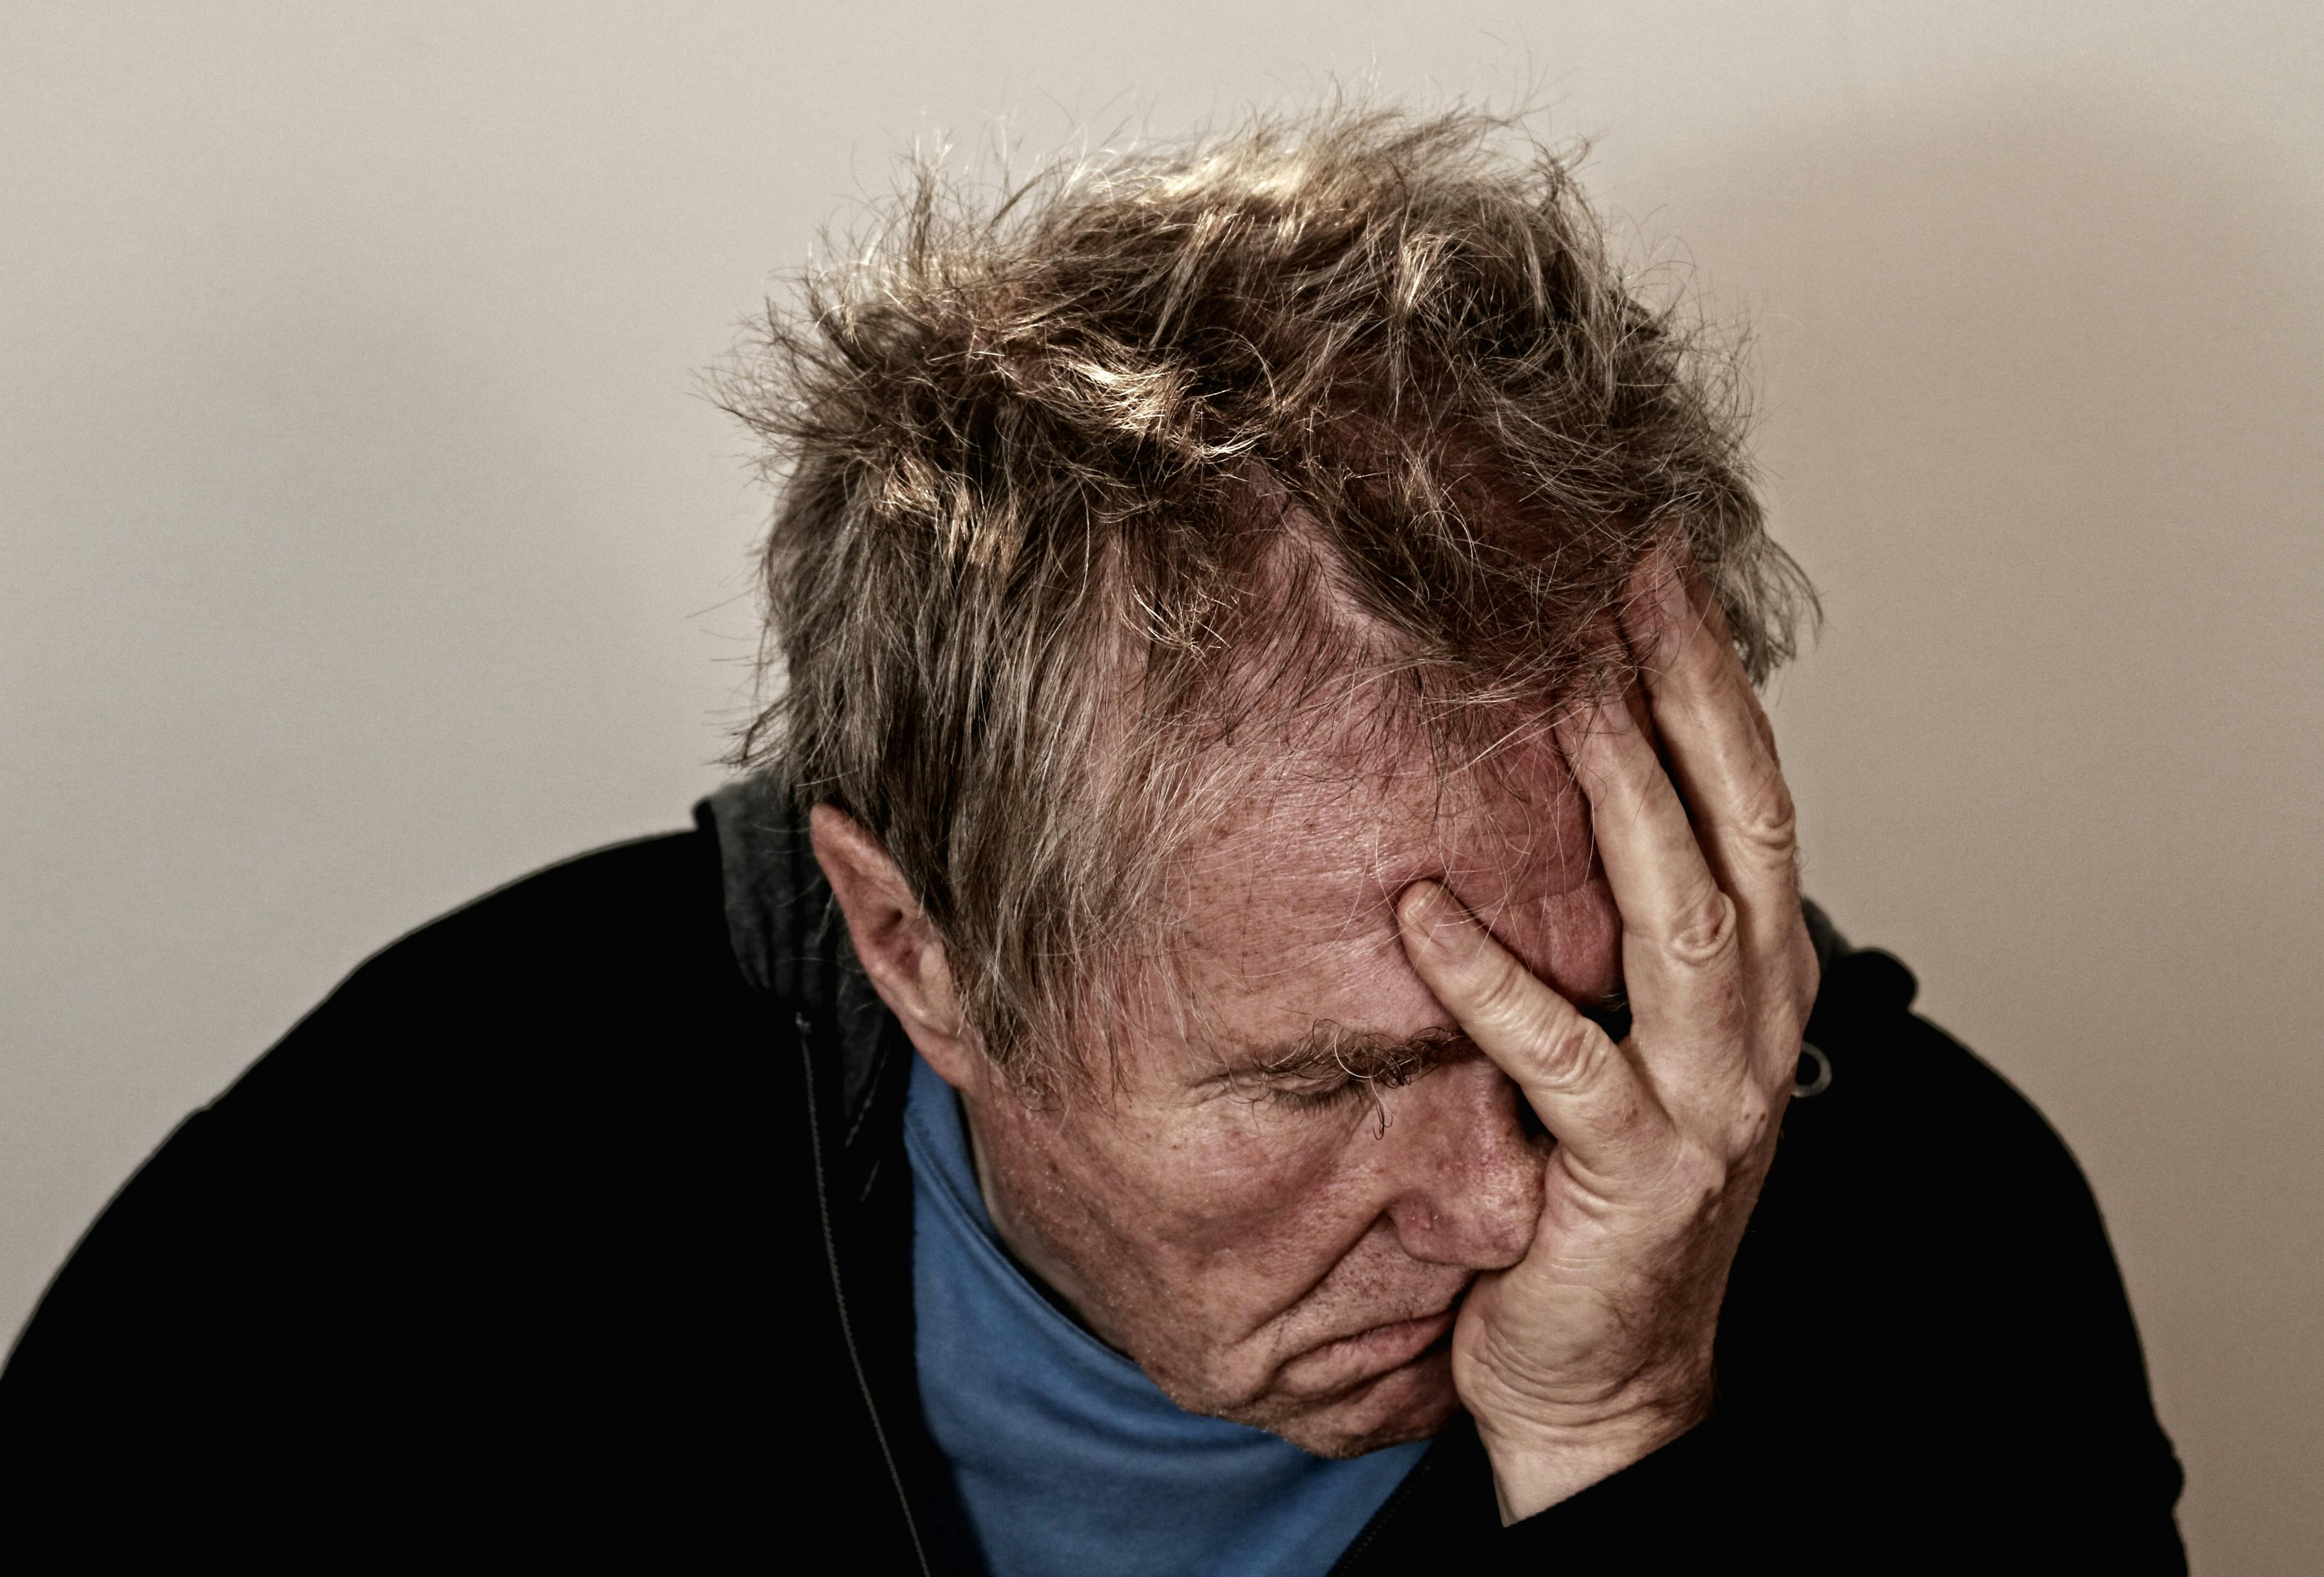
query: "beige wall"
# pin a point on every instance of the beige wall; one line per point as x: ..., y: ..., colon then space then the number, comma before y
x: 361, y: 544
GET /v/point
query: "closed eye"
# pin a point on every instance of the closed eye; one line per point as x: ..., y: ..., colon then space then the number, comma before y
x: 1317, y: 1095
x: 1332, y: 1067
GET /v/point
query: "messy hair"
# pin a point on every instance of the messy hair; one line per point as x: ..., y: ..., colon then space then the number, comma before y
x: 1084, y: 481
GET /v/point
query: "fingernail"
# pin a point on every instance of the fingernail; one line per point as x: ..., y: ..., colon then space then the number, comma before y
x: 1429, y: 912
x: 1416, y: 907
x: 1616, y: 710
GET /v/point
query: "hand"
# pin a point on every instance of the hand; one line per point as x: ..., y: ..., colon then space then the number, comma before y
x: 1595, y: 1349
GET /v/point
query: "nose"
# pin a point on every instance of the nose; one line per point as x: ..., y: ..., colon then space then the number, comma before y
x: 1465, y: 1173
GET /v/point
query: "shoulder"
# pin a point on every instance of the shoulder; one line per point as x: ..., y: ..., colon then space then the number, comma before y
x: 1925, y: 1232
x: 1928, y: 1278
x: 506, y: 1175
x: 1909, y: 1116
x: 533, y: 984
x: 577, y: 1022
x: 635, y: 905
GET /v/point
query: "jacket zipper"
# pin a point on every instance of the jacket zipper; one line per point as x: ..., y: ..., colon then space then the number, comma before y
x: 839, y: 1295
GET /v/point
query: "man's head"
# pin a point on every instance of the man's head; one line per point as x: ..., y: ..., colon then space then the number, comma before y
x: 1176, y: 561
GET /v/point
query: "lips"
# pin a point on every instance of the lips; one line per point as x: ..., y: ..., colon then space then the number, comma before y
x: 1352, y: 1361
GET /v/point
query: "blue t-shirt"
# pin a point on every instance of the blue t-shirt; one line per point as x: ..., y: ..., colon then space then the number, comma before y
x: 1068, y: 1460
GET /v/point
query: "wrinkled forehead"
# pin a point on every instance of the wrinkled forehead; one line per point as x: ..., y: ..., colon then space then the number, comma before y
x: 1286, y: 901
x: 1318, y: 833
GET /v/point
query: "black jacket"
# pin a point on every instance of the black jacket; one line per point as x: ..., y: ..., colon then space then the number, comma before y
x: 577, y: 1225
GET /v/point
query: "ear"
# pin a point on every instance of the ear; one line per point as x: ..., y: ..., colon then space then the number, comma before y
x: 898, y: 948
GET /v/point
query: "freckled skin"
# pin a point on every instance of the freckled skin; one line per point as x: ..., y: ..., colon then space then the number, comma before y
x: 1285, y: 1262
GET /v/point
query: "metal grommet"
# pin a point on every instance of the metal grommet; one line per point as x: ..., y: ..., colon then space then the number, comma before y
x: 1802, y: 1088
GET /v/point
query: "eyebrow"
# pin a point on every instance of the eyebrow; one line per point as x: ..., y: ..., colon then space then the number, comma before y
x: 1365, y: 1055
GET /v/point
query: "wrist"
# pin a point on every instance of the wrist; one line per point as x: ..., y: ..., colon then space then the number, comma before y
x: 1538, y: 1463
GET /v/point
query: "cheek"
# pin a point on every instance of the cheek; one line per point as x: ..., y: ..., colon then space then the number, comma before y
x: 1230, y: 1181
x: 1278, y: 1191
x: 1225, y: 1206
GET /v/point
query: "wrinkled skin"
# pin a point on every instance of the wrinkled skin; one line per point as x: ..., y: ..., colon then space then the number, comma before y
x: 1537, y: 1226
x: 1265, y: 1248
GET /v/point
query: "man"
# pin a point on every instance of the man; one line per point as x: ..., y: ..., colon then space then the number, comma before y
x: 1252, y: 1013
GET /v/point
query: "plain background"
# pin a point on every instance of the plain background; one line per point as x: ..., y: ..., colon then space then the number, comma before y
x: 364, y: 542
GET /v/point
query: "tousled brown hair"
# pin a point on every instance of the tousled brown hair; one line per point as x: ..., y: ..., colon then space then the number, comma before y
x: 1077, y: 483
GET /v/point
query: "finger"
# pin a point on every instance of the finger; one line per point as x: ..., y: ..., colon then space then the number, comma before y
x: 1577, y: 1080
x: 1680, y: 956
x: 1721, y: 752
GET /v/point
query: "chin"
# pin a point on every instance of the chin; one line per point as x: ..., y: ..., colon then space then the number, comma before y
x: 1410, y: 1402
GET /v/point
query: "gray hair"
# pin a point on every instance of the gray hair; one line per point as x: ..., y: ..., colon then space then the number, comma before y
x: 1079, y: 483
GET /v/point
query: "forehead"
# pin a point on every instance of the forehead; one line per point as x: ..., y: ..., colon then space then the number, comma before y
x: 1287, y: 913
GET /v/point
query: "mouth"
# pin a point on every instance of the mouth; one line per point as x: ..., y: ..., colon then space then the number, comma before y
x: 1369, y: 1354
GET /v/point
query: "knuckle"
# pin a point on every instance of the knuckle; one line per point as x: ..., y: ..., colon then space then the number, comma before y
x: 1568, y: 1050
x: 1702, y: 932
x: 1697, y: 1179
x: 1755, y: 1114
x: 1768, y: 823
